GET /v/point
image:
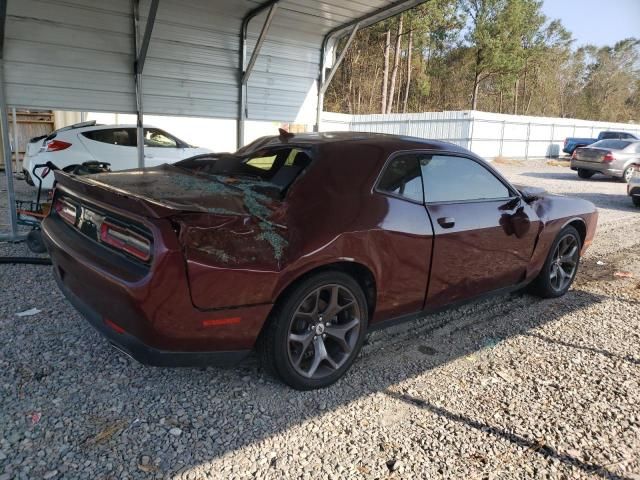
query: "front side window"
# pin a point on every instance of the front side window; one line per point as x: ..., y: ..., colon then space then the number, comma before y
x: 154, y: 137
x: 401, y: 177
x: 458, y: 179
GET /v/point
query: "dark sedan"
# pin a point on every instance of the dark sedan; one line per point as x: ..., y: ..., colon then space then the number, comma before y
x: 298, y: 245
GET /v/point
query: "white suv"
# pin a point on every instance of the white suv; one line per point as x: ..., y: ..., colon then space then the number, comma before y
x: 113, y: 144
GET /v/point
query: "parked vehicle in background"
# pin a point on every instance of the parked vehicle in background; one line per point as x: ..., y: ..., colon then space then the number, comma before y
x: 298, y: 245
x: 83, y: 142
x: 633, y: 186
x: 608, y: 157
x: 571, y: 143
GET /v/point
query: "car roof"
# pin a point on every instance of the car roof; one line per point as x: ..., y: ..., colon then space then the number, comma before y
x: 397, y: 142
x: 105, y: 127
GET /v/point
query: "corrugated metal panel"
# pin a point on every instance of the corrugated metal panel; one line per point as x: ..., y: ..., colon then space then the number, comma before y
x: 77, y: 55
x: 487, y: 134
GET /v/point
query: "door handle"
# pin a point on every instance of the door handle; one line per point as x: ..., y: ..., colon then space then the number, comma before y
x: 447, y: 222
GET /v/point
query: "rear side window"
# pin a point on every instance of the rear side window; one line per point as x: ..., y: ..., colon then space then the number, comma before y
x: 458, y: 179
x: 113, y: 136
x: 402, y: 177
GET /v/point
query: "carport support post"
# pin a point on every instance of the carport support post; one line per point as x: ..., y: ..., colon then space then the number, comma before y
x: 16, y: 147
x: 323, y: 83
x: 140, y: 53
x: 8, y: 167
x: 5, y: 145
x: 246, y: 69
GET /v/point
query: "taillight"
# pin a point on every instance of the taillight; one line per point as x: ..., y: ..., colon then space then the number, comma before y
x: 56, y: 145
x: 608, y: 157
x: 574, y: 154
x: 126, y: 240
x: 66, y: 210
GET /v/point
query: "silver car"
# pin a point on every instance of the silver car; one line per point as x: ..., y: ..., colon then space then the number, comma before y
x: 609, y: 157
x: 633, y: 186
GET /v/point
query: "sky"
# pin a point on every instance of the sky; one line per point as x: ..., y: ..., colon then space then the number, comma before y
x: 598, y: 22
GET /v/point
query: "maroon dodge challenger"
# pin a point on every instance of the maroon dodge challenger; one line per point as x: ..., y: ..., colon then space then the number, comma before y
x: 298, y: 245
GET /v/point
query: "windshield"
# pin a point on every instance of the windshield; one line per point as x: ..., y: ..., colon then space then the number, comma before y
x: 278, y: 166
x: 614, y: 144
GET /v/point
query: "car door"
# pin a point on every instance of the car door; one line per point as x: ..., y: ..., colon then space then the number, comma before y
x: 403, y: 240
x: 161, y: 147
x: 484, y: 232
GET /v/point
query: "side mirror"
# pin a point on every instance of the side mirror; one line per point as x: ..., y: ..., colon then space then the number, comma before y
x: 531, y: 194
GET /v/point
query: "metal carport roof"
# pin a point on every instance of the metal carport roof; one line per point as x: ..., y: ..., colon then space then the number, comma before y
x: 176, y: 57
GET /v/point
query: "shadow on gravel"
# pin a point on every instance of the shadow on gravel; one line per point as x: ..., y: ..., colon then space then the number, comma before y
x: 531, y: 445
x: 218, y: 411
x: 599, y: 351
x: 571, y: 175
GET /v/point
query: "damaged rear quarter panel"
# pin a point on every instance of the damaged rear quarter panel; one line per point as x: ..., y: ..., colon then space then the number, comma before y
x: 231, y: 257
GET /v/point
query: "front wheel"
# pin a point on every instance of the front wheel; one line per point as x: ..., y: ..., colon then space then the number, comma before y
x: 316, y: 332
x: 561, y: 265
x: 583, y: 173
x: 636, y: 200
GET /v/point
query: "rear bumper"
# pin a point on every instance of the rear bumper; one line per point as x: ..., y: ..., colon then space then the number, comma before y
x: 148, y: 314
x: 142, y: 352
x: 603, y: 168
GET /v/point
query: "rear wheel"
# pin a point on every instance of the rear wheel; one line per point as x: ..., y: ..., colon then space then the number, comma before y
x: 316, y: 331
x: 583, y: 173
x: 35, y: 242
x: 626, y: 176
x: 561, y: 265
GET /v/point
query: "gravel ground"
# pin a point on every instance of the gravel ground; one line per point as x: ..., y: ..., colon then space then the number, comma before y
x: 513, y: 387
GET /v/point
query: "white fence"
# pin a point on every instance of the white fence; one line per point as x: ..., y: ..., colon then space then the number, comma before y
x: 487, y: 134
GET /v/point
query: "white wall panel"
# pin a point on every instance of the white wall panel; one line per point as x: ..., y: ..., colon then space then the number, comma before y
x: 487, y: 134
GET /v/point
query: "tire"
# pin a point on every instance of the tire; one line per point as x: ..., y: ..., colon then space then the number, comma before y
x: 546, y: 284
x: 329, y: 344
x: 626, y: 175
x: 636, y: 200
x: 34, y: 241
x: 582, y: 173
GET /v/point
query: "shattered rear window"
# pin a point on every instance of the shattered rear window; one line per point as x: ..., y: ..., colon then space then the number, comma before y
x: 276, y: 166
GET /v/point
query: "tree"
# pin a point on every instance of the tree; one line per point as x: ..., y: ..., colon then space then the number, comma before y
x: 495, y: 55
x: 396, y: 63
